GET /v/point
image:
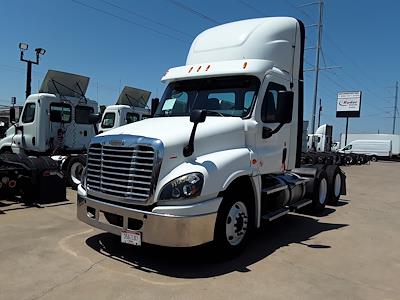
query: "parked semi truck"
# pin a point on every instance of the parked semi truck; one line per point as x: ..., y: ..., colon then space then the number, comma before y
x: 55, y: 122
x: 130, y: 107
x: 222, y: 152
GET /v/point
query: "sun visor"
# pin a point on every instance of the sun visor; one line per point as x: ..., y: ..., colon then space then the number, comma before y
x: 133, y: 97
x: 65, y: 84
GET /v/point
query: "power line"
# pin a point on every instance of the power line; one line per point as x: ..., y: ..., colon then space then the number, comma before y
x: 146, y: 18
x: 130, y: 22
x: 253, y: 8
x: 193, y: 11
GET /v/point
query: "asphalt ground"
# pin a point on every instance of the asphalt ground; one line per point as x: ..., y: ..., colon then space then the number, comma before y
x: 352, y: 251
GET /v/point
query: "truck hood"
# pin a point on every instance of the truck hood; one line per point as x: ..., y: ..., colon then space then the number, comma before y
x: 215, y: 134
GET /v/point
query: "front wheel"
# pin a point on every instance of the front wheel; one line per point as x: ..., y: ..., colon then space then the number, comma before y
x: 74, y: 170
x: 233, y: 225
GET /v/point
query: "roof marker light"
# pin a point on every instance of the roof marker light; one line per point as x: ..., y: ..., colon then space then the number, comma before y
x: 208, y: 67
x: 245, y: 65
x: 198, y: 69
x: 190, y: 70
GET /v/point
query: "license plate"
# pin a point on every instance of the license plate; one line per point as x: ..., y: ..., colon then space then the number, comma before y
x: 131, y: 237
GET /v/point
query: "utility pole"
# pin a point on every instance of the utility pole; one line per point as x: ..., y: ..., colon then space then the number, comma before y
x: 319, y: 112
x: 395, y: 107
x: 318, y: 50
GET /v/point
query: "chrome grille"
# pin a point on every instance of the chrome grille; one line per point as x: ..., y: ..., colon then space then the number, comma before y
x: 122, y: 173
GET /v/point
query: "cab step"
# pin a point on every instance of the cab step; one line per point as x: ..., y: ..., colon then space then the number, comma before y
x: 275, y: 214
x: 300, y: 204
x: 274, y: 189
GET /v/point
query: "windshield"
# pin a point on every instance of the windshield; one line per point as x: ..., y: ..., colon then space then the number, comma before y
x: 221, y: 96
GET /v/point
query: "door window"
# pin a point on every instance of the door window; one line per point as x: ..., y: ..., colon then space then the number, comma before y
x: 82, y: 114
x: 131, y: 117
x: 108, y: 120
x: 29, y: 113
x: 269, y: 106
x: 60, y: 112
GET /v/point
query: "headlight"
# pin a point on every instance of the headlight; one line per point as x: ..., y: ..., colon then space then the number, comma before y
x: 184, y: 187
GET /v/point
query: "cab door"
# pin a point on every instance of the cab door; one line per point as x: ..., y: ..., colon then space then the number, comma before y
x: 272, y: 152
x: 26, y: 137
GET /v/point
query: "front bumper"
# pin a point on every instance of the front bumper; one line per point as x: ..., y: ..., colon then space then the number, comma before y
x: 193, y: 226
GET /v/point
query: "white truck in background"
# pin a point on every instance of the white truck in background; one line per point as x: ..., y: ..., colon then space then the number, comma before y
x: 394, y: 138
x: 374, y: 148
x: 55, y: 122
x: 321, y: 140
x: 222, y: 153
x: 131, y: 107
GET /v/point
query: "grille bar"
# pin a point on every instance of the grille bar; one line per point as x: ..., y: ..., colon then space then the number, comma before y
x: 125, y: 174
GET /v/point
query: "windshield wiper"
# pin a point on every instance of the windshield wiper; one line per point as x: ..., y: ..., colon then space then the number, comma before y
x: 216, y: 113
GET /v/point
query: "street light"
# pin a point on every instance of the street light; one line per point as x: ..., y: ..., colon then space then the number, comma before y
x: 39, y: 51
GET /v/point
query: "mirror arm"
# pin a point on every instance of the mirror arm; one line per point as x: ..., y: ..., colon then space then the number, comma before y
x: 189, y: 148
x: 268, y: 132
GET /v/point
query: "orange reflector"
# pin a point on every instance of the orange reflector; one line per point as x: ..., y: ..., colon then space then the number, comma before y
x: 245, y: 65
x: 190, y: 70
x: 254, y: 161
x: 208, y: 67
x: 198, y: 69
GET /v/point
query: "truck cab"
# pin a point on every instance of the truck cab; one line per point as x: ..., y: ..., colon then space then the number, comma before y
x: 131, y: 107
x: 55, y: 120
x: 216, y: 158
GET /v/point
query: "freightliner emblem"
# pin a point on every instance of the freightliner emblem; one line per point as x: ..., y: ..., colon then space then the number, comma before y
x: 117, y: 143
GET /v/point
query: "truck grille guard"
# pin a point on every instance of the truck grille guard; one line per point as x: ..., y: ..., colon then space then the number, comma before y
x: 124, y: 168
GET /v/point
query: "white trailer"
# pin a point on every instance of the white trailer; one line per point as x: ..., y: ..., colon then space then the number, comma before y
x: 222, y: 152
x: 55, y: 122
x: 394, y: 138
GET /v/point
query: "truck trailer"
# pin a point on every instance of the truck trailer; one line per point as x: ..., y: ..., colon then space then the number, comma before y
x: 223, y: 151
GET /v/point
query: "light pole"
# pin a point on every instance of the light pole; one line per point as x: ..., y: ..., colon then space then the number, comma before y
x: 39, y: 51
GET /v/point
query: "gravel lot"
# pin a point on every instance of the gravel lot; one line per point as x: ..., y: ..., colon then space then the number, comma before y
x: 351, y: 252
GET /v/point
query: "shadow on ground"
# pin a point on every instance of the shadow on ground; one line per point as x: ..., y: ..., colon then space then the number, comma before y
x: 196, y: 262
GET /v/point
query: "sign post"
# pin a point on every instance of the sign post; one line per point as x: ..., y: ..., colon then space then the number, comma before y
x: 348, y: 105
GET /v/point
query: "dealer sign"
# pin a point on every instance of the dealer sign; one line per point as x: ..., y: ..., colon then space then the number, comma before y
x: 348, y: 104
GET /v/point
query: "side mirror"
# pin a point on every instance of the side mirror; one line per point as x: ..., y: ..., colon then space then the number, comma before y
x: 154, y: 105
x: 94, y: 118
x: 198, y: 116
x: 284, y: 107
x: 12, y: 115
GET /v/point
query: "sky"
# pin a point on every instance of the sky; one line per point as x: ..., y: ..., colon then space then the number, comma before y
x: 121, y: 42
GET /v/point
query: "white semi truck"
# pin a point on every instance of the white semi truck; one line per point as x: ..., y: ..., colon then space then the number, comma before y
x: 55, y: 122
x: 223, y: 151
x: 131, y: 107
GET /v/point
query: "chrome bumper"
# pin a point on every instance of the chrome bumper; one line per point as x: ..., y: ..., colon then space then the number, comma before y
x: 158, y: 229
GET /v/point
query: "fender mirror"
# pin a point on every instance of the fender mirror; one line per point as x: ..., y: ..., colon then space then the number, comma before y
x: 196, y: 116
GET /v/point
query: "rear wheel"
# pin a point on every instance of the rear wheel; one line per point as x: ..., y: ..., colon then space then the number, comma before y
x: 334, y: 184
x: 74, y: 170
x: 374, y: 158
x: 320, y: 192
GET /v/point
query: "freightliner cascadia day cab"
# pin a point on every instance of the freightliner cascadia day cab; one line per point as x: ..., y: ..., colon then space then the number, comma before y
x: 55, y: 122
x: 131, y: 107
x: 222, y: 152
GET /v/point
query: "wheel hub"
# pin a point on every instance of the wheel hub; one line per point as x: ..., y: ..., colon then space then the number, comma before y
x: 236, y: 223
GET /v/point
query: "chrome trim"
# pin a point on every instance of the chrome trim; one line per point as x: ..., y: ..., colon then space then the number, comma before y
x: 100, y: 168
x: 158, y: 229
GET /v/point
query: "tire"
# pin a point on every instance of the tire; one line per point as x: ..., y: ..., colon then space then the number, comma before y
x: 320, y: 191
x: 348, y: 159
x: 233, y: 225
x: 334, y: 184
x: 74, y: 170
x: 374, y: 158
